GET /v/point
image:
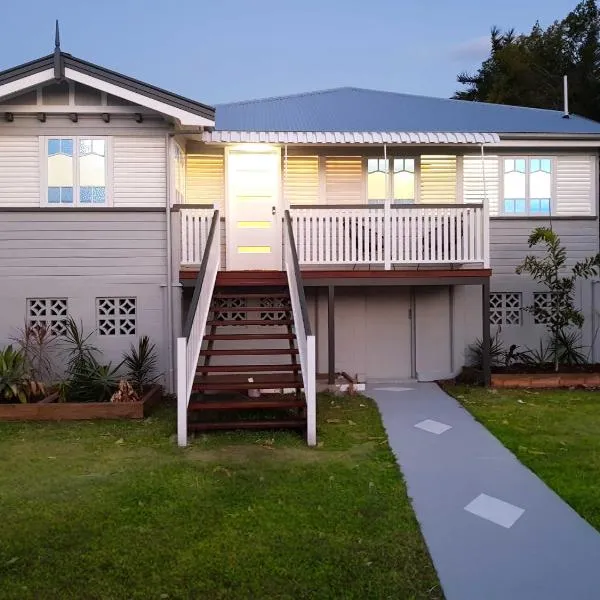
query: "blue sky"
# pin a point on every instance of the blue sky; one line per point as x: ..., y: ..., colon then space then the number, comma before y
x: 227, y: 50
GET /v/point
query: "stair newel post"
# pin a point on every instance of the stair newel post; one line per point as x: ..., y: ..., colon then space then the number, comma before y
x: 311, y: 392
x: 387, y: 213
x: 182, y: 391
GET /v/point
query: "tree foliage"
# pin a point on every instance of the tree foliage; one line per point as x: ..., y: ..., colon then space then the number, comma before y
x: 528, y: 69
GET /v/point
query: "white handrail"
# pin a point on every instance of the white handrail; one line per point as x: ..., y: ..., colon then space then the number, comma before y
x: 390, y: 235
x: 304, y: 337
x: 189, y: 346
x: 195, y: 226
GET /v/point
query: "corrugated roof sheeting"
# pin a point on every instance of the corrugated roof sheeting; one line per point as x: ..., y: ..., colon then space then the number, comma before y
x: 354, y: 109
x: 349, y: 137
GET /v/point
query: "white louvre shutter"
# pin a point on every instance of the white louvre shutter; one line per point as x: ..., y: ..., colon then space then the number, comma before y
x: 139, y: 171
x: 19, y: 170
x: 205, y: 179
x: 343, y: 180
x: 302, y: 180
x: 474, y: 190
x: 438, y: 179
x: 575, y: 177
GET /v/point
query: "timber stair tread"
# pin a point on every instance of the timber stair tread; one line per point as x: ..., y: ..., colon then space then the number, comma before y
x: 231, y: 295
x: 265, y: 424
x: 246, y: 404
x: 233, y: 322
x: 249, y: 336
x: 216, y: 383
x: 246, y: 368
x: 251, y: 352
x: 262, y: 309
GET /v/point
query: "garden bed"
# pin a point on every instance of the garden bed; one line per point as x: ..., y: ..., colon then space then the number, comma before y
x: 584, y: 379
x: 49, y: 409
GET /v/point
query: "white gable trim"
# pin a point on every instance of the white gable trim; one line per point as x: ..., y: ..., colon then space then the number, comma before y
x: 18, y: 85
x: 184, y: 117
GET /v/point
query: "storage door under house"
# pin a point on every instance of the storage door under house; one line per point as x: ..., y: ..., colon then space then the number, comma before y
x: 254, y: 217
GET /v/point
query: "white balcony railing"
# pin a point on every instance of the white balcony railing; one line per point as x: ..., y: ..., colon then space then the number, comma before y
x: 391, y: 235
x: 385, y: 235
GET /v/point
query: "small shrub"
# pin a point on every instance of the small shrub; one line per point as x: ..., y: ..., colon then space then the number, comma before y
x: 140, y: 363
x: 568, y: 349
x: 497, y: 352
x: 15, y: 381
x: 38, y: 345
x: 92, y: 382
x: 540, y: 356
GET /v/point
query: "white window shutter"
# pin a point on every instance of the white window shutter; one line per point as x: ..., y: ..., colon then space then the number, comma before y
x: 438, y: 179
x: 474, y: 190
x: 205, y: 180
x: 575, y: 177
x: 301, y: 180
x: 344, y: 180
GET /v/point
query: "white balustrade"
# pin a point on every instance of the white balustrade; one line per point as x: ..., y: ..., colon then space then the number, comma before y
x: 304, y: 337
x: 195, y: 225
x: 392, y: 235
x: 189, y: 346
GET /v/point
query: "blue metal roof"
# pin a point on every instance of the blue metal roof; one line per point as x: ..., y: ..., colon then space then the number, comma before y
x: 354, y: 109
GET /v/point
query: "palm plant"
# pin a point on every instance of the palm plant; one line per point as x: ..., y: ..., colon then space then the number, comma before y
x: 140, y: 363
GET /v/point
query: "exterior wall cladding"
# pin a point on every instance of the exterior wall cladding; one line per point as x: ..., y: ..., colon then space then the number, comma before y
x: 109, y: 265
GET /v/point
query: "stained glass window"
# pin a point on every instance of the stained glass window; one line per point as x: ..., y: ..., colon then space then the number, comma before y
x: 76, y: 171
x: 401, y: 179
x: 527, y: 186
x: 60, y: 171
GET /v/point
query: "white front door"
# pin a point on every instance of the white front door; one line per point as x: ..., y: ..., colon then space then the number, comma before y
x: 253, y: 210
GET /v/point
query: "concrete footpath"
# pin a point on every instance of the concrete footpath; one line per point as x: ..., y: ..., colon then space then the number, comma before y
x: 495, y: 531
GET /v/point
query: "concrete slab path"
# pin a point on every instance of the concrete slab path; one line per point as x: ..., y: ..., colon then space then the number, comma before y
x: 495, y: 531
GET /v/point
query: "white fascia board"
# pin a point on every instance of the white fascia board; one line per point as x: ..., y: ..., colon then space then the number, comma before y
x: 24, y: 83
x: 548, y: 143
x: 185, y: 118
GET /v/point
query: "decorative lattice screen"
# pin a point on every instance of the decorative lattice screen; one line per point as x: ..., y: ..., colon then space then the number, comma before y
x: 116, y: 316
x: 505, y: 308
x: 51, y: 313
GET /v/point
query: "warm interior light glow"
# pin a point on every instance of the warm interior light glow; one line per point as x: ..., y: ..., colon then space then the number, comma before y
x: 260, y: 148
x: 254, y: 224
x: 254, y: 249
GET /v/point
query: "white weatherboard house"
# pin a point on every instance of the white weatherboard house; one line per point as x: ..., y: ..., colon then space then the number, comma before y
x: 263, y: 243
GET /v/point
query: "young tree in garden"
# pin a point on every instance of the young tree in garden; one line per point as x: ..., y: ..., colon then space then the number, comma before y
x: 527, y: 69
x: 551, y: 271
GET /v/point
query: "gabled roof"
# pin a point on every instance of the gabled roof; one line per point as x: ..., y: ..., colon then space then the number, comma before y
x: 188, y: 112
x: 360, y: 110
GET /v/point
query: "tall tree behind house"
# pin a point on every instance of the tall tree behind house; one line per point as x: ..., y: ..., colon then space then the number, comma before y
x: 527, y: 69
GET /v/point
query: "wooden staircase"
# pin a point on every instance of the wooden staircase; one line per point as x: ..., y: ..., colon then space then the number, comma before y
x: 248, y: 376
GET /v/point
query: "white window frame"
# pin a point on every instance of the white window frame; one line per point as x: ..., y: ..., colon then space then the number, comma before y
x: 417, y: 174
x: 527, y: 158
x: 44, y: 171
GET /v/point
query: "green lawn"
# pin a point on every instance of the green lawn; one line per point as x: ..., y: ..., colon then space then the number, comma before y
x: 115, y: 510
x: 555, y: 433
